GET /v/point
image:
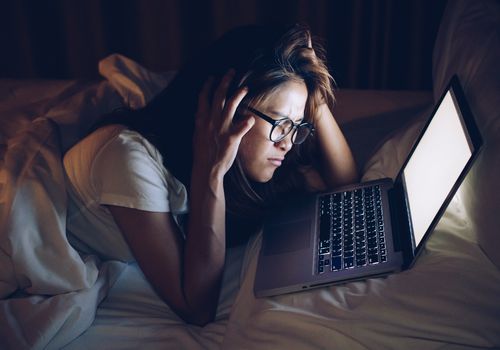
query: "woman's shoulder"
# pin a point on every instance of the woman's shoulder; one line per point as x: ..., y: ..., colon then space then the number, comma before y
x: 110, y: 143
x: 96, y: 139
x: 128, y: 141
x: 115, y: 136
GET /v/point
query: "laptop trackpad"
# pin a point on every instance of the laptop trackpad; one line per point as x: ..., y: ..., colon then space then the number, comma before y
x: 287, y: 237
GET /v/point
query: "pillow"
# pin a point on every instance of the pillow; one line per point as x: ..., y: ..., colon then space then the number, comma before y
x: 388, y: 159
x: 73, y: 104
x: 135, y: 84
x: 79, y: 107
x: 33, y: 218
x: 468, y: 44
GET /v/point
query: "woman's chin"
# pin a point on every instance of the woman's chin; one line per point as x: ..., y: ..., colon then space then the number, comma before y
x: 263, y: 177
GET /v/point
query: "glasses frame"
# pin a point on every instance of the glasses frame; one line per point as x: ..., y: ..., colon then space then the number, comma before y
x: 275, y: 122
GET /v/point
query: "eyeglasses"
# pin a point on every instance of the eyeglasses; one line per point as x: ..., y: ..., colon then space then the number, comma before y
x: 282, y: 127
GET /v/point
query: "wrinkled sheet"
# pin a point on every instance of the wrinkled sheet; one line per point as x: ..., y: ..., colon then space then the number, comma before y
x: 48, y: 292
x: 38, y: 321
x: 133, y: 317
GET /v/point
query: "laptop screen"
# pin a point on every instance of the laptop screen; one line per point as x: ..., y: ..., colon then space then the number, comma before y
x: 436, y: 164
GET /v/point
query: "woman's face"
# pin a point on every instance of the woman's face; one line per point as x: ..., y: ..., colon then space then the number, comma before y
x: 259, y: 156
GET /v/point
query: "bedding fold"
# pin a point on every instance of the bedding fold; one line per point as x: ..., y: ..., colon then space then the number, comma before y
x: 49, y: 291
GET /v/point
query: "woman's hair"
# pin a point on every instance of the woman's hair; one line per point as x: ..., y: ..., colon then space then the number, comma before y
x: 264, y: 58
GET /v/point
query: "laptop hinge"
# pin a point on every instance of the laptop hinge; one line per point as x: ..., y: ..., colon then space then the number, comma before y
x: 401, y: 234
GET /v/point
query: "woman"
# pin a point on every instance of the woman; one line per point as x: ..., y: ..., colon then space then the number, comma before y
x: 257, y: 130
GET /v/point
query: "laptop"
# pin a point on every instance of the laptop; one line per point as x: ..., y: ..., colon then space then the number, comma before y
x: 375, y: 228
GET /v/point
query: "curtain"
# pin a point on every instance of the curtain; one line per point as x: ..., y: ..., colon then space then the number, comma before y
x: 375, y: 44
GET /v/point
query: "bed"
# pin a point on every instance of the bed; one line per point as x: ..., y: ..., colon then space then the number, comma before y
x: 52, y: 296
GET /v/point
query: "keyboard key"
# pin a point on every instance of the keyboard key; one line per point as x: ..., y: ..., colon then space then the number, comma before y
x: 360, y: 241
x: 348, y: 240
x: 347, y: 223
x: 372, y: 259
x: 337, y: 252
x: 360, y: 251
x: 324, y: 230
x: 320, y: 269
x: 361, y: 262
x: 383, y: 258
x: 348, y: 254
x: 324, y: 243
x: 348, y: 263
x: 336, y: 263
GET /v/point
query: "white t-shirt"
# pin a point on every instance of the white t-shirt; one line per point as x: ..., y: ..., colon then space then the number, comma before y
x: 116, y: 166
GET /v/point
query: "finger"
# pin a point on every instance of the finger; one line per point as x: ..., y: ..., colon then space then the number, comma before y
x: 203, y: 99
x: 221, y: 92
x: 233, y: 104
x: 243, y: 127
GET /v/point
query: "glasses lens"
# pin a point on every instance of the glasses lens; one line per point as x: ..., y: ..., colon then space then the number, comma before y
x: 281, y: 129
x: 301, y: 134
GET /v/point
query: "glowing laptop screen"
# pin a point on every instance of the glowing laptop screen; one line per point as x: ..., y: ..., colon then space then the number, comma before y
x: 435, y: 165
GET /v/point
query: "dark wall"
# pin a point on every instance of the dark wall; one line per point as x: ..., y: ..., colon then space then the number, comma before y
x: 371, y: 43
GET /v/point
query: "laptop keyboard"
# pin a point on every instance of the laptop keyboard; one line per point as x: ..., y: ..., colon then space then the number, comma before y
x: 351, y: 230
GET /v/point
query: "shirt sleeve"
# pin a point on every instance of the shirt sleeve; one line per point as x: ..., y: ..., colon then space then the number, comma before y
x: 126, y: 173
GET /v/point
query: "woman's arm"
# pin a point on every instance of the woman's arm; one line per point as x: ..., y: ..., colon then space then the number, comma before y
x: 338, y: 167
x: 187, y: 274
x: 160, y: 251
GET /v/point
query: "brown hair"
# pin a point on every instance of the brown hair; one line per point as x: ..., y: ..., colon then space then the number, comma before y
x: 264, y: 58
x: 292, y: 58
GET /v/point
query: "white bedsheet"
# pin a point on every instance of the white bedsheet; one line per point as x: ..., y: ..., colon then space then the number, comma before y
x: 132, y: 316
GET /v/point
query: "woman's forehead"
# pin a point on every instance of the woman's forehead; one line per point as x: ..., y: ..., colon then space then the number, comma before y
x: 288, y: 97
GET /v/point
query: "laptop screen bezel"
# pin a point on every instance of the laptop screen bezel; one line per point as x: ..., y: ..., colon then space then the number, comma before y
x: 475, y: 143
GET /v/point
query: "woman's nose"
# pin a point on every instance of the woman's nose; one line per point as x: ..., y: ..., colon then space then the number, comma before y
x: 285, y: 144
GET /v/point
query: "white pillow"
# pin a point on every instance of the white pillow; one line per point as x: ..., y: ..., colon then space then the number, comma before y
x: 135, y: 84
x: 468, y: 44
x: 388, y: 159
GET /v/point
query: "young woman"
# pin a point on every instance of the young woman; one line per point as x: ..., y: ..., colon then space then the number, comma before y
x: 240, y: 128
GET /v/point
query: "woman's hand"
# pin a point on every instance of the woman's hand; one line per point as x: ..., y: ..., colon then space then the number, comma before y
x: 216, y: 137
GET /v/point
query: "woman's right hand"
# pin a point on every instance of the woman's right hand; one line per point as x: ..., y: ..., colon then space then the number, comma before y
x: 216, y: 137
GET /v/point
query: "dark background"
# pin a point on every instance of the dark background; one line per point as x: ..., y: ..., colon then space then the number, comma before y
x: 377, y: 44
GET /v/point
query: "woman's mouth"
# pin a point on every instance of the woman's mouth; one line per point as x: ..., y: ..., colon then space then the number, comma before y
x: 276, y: 161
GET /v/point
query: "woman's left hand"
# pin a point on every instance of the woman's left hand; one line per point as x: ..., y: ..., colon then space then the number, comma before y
x: 217, y: 137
